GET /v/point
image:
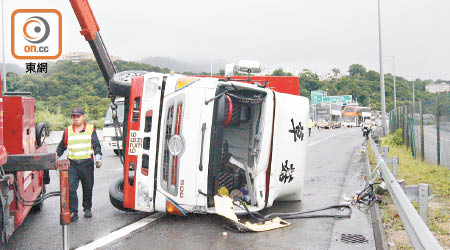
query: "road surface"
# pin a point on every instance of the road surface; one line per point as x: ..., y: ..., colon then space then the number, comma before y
x: 430, y: 144
x: 329, y: 157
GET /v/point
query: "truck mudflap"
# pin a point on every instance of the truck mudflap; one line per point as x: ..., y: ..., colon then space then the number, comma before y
x: 224, y: 207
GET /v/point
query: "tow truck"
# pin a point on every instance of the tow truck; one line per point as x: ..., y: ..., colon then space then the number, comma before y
x: 189, y: 138
x: 25, y: 163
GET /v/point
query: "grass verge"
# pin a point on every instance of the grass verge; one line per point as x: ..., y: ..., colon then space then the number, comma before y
x: 414, y: 171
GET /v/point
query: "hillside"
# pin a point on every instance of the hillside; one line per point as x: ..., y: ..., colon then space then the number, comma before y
x: 68, y: 85
x: 12, y: 67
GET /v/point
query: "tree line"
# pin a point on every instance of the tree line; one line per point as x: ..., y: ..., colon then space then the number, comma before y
x: 68, y: 85
x: 363, y: 85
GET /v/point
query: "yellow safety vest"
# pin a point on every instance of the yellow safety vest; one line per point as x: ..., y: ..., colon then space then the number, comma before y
x: 79, y: 144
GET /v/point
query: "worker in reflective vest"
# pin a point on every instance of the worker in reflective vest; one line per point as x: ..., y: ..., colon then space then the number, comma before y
x: 81, y: 140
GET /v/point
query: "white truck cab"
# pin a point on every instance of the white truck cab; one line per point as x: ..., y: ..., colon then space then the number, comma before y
x: 190, y: 138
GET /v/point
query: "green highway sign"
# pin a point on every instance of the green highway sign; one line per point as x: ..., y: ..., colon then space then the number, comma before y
x: 317, y: 96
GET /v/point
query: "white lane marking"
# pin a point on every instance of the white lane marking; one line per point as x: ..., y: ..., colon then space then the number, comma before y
x: 324, y: 139
x: 121, y: 232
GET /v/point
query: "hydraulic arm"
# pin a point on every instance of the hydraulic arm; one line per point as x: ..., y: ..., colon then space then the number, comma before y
x: 90, y: 30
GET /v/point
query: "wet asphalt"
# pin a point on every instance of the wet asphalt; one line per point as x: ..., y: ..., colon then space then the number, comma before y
x: 41, y: 230
x: 328, y: 163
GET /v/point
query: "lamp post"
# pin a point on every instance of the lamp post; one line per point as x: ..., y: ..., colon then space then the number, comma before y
x: 395, y: 87
x: 382, y: 91
x: 413, y: 97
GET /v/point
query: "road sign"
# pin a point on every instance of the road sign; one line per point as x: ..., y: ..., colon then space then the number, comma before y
x: 316, y: 96
x: 337, y: 99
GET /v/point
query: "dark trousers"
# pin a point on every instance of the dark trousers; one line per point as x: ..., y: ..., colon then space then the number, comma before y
x: 309, y: 131
x: 81, y: 171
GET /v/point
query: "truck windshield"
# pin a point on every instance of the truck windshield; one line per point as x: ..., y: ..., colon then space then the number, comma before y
x: 108, y: 116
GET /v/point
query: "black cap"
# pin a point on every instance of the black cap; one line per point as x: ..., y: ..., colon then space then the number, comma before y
x: 77, y: 111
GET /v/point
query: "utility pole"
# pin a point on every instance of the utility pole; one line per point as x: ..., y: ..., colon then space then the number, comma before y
x: 395, y: 88
x: 382, y: 92
x: 3, y: 45
x: 414, y: 98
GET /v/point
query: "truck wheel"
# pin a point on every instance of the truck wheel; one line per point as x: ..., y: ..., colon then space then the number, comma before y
x: 41, y: 133
x: 116, y: 195
x: 121, y: 82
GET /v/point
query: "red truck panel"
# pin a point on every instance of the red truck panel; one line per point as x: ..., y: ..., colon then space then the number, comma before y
x: 19, y: 130
x: 20, y: 138
x: 137, y: 87
x: 282, y: 84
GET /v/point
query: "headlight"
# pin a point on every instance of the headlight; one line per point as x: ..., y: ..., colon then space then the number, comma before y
x: 107, y: 139
x: 151, y: 88
x: 143, y: 196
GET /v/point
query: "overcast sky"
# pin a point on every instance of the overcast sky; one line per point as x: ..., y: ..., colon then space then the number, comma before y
x: 294, y: 34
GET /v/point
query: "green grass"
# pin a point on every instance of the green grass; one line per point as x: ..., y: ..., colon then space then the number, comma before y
x: 415, y: 171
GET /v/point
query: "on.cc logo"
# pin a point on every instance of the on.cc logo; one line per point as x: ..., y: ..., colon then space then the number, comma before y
x: 36, y: 29
x: 36, y: 34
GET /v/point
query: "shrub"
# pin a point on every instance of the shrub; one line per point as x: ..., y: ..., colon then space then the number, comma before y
x: 396, y: 138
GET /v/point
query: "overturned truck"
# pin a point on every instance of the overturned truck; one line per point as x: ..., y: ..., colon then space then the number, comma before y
x: 189, y: 138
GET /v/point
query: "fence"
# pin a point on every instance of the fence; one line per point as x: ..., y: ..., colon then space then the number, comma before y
x: 425, y: 128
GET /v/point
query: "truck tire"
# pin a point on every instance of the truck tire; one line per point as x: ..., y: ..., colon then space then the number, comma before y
x: 41, y: 133
x: 116, y: 195
x: 121, y: 82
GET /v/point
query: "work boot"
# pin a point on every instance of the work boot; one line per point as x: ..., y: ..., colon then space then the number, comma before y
x: 73, y: 216
x: 87, y: 213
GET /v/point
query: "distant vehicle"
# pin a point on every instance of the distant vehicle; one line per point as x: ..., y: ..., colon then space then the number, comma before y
x: 328, y: 115
x: 350, y: 116
x: 111, y: 138
x: 364, y: 113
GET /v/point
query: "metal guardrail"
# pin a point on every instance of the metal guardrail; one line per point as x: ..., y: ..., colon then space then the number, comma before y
x: 418, y: 232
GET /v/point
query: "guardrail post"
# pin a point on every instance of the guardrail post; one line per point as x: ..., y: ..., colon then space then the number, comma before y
x: 423, y: 201
x: 395, y: 162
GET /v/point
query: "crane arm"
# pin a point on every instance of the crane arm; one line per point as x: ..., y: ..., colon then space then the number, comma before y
x: 91, y: 32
